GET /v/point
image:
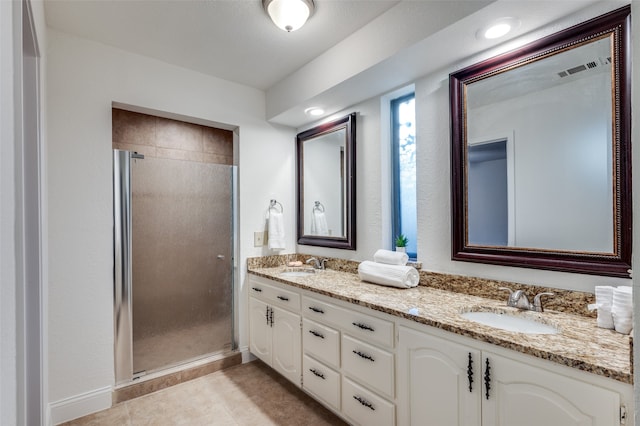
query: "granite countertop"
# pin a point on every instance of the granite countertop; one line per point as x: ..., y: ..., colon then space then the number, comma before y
x: 579, y: 343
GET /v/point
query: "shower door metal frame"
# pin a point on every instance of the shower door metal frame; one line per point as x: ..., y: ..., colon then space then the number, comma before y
x: 123, y: 326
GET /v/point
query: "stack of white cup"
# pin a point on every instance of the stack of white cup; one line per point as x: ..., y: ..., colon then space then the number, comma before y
x: 604, y: 301
x: 622, y: 309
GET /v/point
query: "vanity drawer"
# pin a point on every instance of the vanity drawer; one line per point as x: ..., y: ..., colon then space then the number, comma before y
x: 321, y: 342
x: 370, y: 365
x: 274, y: 295
x: 321, y: 381
x: 320, y: 311
x: 369, y: 328
x: 365, y: 408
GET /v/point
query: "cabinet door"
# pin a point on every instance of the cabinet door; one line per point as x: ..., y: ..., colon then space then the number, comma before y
x: 530, y: 396
x: 259, y: 330
x: 434, y: 380
x: 287, y: 351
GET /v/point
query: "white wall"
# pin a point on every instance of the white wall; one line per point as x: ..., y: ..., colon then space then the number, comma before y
x: 84, y: 79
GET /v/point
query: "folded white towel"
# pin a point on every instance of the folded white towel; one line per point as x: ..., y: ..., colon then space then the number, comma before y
x: 390, y: 275
x: 391, y: 257
x: 276, y: 231
x: 622, y: 309
x: 604, y: 300
x: 319, y: 223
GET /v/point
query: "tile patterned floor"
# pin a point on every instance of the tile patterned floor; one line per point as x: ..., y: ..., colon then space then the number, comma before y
x: 250, y: 394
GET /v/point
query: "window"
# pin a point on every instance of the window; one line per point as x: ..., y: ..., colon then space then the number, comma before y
x: 404, y: 171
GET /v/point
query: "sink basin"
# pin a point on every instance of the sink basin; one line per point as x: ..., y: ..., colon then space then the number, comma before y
x: 508, y: 322
x: 298, y: 273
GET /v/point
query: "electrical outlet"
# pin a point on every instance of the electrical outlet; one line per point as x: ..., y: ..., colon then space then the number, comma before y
x: 258, y: 239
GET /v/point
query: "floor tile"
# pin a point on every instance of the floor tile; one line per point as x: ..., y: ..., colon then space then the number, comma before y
x: 243, y: 395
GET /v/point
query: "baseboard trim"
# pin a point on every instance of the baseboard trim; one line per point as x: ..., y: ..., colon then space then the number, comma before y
x: 80, y: 405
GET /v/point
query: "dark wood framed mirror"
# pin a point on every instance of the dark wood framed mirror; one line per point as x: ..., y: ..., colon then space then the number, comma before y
x: 541, y: 153
x: 326, y: 184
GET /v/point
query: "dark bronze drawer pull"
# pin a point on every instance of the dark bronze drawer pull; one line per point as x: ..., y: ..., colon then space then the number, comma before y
x: 487, y: 378
x: 365, y: 356
x: 286, y: 299
x: 317, y: 310
x: 317, y: 373
x: 257, y: 289
x: 363, y: 326
x: 364, y: 402
x: 470, y: 372
x: 315, y: 333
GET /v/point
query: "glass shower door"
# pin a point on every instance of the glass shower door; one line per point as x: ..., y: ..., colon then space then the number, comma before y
x: 181, y: 221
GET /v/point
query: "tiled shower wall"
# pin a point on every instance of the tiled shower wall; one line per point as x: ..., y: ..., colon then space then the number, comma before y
x: 172, y: 139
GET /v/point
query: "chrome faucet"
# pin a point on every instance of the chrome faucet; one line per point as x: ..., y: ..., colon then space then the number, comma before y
x: 518, y: 299
x: 317, y: 264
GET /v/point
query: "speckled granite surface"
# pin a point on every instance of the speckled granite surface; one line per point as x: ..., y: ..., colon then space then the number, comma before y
x: 579, y: 344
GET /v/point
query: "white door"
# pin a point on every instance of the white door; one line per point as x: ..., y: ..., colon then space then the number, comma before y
x: 287, y: 351
x: 259, y: 330
x: 523, y: 395
x: 439, y: 381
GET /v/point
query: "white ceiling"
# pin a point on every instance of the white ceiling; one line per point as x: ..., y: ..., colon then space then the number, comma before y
x: 349, y: 50
x: 231, y: 39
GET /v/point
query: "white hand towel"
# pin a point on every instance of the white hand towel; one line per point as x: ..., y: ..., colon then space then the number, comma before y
x: 604, y: 300
x: 389, y: 275
x: 391, y: 257
x: 622, y: 309
x: 319, y: 223
x: 276, y: 231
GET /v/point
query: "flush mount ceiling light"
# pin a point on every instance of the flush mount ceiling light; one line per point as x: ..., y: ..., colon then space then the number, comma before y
x: 289, y: 15
x: 314, y: 111
x: 498, y: 28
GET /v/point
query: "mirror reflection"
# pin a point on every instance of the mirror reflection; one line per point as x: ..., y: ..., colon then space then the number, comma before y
x: 539, y: 154
x: 326, y: 184
x: 540, y: 151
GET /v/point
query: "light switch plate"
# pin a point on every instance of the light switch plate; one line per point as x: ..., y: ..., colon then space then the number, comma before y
x: 258, y: 239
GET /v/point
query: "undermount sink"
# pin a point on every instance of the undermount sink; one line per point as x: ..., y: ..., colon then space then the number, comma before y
x: 298, y: 273
x: 507, y: 322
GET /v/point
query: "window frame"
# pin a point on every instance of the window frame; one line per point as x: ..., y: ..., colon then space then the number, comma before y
x: 396, y: 222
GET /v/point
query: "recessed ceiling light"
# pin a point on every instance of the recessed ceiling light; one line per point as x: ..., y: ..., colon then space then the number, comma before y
x: 314, y: 111
x: 498, y: 28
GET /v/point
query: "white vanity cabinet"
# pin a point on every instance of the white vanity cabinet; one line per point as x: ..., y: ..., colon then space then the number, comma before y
x: 439, y: 381
x: 445, y: 382
x: 340, y: 341
x: 274, y: 332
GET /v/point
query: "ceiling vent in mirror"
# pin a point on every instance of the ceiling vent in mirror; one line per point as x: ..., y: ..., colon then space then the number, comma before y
x: 587, y: 66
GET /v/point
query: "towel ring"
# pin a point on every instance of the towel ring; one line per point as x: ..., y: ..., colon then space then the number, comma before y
x: 273, y: 204
x: 318, y: 206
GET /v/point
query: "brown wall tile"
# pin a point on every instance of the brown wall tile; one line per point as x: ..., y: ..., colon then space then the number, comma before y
x: 172, y: 139
x: 179, y: 135
x: 132, y: 127
x: 217, y: 141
